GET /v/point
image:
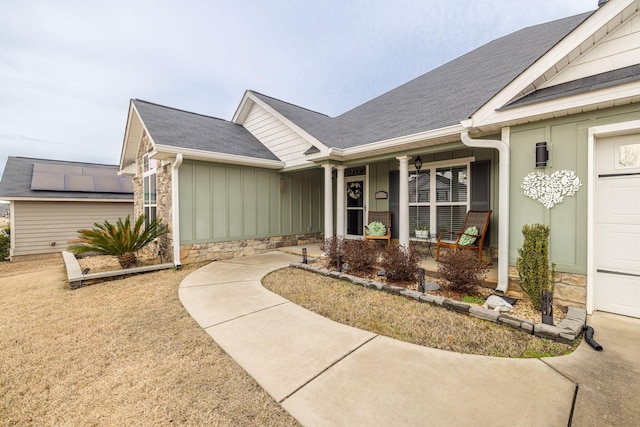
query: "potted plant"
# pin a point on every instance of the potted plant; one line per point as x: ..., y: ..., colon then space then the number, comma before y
x: 422, y: 232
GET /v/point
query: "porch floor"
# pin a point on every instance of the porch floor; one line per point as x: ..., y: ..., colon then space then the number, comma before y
x: 428, y: 263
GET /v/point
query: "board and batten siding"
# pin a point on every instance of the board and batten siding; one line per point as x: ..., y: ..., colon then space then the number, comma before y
x: 276, y: 136
x: 617, y: 50
x: 567, y: 143
x: 37, y: 224
x: 225, y: 202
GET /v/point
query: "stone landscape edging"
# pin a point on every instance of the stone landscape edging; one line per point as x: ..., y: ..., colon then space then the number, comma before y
x: 76, y: 278
x: 567, y: 331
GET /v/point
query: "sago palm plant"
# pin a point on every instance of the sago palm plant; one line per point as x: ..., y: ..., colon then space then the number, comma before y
x: 119, y: 239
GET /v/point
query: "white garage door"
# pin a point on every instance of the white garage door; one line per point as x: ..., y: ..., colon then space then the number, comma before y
x: 617, y: 228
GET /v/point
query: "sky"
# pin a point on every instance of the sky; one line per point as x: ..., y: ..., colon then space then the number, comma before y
x: 69, y: 68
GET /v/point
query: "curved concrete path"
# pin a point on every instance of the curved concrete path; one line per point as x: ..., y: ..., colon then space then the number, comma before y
x: 328, y: 374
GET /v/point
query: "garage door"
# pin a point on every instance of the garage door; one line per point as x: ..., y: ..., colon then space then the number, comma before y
x: 617, y: 228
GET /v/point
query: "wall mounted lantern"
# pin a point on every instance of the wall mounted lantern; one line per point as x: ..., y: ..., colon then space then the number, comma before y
x: 542, y: 154
x: 418, y: 163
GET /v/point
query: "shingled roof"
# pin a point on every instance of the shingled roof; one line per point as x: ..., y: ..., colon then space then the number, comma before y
x: 440, y: 98
x: 17, y: 180
x: 178, y: 128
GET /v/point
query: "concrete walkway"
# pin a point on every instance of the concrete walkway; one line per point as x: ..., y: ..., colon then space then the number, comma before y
x: 328, y: 374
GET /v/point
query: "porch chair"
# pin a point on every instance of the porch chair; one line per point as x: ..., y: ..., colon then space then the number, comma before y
x: 478, y: 219
x: 383, y: 217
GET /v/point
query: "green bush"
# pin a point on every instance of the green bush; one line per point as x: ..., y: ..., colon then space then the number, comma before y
x: 360, y: 255
x: 463, y: 271
x: 5, y: 244
x: 119, y: 239
x: 401, y: 262
x: 533, y: 263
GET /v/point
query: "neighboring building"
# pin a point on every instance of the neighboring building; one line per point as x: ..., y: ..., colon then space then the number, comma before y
x: 279, y: 173
x: 51, y: 200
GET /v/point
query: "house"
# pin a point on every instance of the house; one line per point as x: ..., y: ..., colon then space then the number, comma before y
x: 50, y: 200
x: 540, y: 126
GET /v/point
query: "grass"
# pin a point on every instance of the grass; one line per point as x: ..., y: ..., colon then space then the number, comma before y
x: 118, y: 353
x: 405, y: 319
x: 472, y: 299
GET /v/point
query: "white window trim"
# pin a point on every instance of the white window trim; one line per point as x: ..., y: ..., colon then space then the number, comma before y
x: 433, y: 204
x: 147, y: 174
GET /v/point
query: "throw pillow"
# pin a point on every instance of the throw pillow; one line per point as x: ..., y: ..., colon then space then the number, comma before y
x: 469, y: 237
x: 376, y: 228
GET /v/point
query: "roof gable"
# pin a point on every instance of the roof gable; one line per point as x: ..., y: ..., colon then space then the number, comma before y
x: 170, y: 127
x: 593, y: 67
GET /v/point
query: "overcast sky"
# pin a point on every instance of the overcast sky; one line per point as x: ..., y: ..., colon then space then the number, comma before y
x: 69, y: 68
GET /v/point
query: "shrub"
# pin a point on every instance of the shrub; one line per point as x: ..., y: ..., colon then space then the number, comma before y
x: 119, y: 240
x: 332, y: 247
x: 5, y: 243
x: 359, y: 254
x: 401, y: 262
x: 533, y: 263
x: 462, y: 271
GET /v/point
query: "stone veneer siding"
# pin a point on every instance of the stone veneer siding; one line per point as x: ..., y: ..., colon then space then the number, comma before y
x: 212, y: 251
x: 570, y: 289
x: 163, y: 198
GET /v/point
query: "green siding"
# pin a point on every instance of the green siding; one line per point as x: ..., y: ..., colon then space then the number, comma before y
x: 223, y: 202
x: 568, y: 151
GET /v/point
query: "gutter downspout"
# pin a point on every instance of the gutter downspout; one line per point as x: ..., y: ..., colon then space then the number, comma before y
x: 175, y: 209
x: 503, y: 199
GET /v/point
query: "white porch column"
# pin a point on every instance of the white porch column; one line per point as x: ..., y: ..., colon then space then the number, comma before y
x: 328, y: 202
x: 340, y: 201
x: 403, y: 221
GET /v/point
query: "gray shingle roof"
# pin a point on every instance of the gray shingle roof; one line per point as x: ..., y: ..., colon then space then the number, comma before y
x: 321, y: 126
x: 587, y: 84
x: 177, y: 128
x: 18, y: 172
x: 440, y: 98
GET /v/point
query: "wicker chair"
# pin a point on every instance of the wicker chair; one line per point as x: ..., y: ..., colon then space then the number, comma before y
x: 478, y: 219
x: 383, y: 217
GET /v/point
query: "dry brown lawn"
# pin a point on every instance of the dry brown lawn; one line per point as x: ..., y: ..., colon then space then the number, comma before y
x: 405, y: 319
x: 118, y: 353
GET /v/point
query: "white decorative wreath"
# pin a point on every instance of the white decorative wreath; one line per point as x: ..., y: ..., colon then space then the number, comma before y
x: 551, y: 190
x: 354, y: 190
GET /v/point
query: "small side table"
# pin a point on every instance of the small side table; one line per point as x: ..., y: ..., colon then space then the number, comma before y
x: 428, y: 240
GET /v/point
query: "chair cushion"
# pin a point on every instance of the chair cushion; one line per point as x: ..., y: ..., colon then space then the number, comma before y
x: 465, y: 239
x: 376, y: 229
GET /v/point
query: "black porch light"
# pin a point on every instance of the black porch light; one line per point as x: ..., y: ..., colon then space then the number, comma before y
x: 418, y: 163
x: 542, y: 154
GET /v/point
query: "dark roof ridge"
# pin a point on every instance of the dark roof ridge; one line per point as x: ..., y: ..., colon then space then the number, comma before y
x: 290, y: 103
x: 181, y: 110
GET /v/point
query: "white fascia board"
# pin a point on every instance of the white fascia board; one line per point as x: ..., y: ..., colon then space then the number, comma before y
x: 67, y: 199
x: 297, y: 129
x: 617, y: 95
x: 403, y: 142
x: 165, y: 151
x: 394, y: 145
x: 243, y: 109
x: 585, y: 30
x: 125, y: 146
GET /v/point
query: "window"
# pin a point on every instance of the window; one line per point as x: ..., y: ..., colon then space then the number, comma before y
x: 628, y: 156
x: 450, y: 185
x: 149, y: 188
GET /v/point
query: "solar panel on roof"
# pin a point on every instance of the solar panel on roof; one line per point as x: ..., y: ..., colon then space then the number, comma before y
x: 52, y: 177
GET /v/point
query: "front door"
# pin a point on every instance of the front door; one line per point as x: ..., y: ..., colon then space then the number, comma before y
x: 355, y: 194
x: 617, y: 226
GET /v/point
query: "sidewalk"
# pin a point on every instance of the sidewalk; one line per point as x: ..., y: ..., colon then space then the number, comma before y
x: 325, y: 373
